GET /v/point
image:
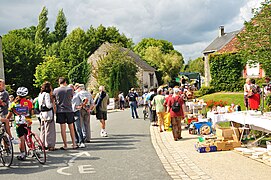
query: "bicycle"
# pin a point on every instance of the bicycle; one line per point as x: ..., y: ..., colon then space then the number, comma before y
x: 6, y: 147
x: 146, y: 111
x: 35, y: 146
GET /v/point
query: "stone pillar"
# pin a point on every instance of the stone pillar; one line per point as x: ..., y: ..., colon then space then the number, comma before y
x: 2, y: 75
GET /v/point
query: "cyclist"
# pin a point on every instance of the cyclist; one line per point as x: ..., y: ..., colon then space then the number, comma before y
x: 22, y: 109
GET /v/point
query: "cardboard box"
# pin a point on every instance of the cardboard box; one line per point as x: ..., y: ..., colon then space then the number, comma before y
x: 204, y: 149
x: 220, y: 145
x: 227, y: 133
x: 235, y: 143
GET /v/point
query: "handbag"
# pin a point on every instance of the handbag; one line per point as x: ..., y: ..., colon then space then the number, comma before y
x: 43, y: 106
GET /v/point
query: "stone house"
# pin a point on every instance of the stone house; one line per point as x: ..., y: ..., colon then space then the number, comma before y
x: 2, y: 75
x: 146, y: 74
x: 226, y: 43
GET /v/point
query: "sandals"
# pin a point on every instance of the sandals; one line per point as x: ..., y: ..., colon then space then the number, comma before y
x: 63, y: 148
x: 52, y: 149
x: 75, y: 147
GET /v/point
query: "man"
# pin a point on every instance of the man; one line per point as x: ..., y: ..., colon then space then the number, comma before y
x: 101, y: 101
x: 85, y: 111
x: 76, y: 106
x: 4, y: 103
x: 132, y: 97
x: 64, y: 114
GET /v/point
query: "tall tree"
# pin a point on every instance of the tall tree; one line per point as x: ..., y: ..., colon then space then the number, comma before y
x: 60, y: 26
x: 117, y: 71
x: 196, y: 65
x: 80, y: 73
x: 42, y: 31
x: 255, y: 38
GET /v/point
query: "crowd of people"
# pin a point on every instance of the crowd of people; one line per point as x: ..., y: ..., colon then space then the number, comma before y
x: 162, y: 104
x: 70, y: 104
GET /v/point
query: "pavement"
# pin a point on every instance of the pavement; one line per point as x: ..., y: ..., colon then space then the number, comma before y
x: 182, y: 161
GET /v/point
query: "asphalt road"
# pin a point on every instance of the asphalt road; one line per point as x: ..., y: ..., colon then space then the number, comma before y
x: 127, y: 153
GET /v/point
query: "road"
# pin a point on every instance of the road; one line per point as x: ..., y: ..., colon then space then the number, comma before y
x: 127, y: 153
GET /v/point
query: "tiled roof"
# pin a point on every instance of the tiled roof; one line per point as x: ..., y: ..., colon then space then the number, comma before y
x: 220, y: 42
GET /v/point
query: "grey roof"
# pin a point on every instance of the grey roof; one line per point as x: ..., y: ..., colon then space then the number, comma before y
x: 220, y: 42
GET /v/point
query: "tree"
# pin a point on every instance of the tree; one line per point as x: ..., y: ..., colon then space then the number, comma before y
x: 21, y: 57
x: 50, y: 70
x: 96, y: 37
x: 60, y: 26
x: 117, y: 71
x: 80, y: 73
x: 255, y: 38
x: 169, y: 65
x: 42, y: 31
x: 196, y: 65
x: 164, y: 46
x: 73, y: 49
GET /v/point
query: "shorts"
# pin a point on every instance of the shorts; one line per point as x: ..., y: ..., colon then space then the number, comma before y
x: 65, y: 117
x: 101, y: 115
x: 20, y: 130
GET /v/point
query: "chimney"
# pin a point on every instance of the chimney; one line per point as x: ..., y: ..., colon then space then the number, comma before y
x: 221, y: 31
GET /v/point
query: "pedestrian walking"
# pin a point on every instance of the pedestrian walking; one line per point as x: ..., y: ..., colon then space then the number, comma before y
x: 64, y: 114
x: 176, y: 107
x: 121, y: 100
x: 153, y: 116
x: 132, y: 98
x: 101, y: 101
x: 47, y: 125
x: 158, y: 101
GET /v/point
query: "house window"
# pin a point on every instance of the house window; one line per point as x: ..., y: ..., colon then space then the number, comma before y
x: 151, y: 79
x: 253, y: 70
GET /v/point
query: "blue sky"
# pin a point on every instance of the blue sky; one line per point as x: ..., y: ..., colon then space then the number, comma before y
x: 189, y: 24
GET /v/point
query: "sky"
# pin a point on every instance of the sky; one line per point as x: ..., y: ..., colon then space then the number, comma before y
x: 191, y: 25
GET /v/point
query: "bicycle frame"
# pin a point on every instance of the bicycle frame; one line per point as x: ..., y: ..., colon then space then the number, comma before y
x: 28, y: 139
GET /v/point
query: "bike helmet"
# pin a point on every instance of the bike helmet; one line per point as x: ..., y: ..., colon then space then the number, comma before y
x: 22, y: 91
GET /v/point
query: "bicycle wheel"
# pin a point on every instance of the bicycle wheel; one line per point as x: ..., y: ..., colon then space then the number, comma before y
x: 39, y: 150
x: 6, y: 150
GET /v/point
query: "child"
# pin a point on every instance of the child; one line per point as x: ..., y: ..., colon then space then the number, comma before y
x: 22, y: 110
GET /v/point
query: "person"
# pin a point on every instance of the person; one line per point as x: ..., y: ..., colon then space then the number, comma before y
x: 153, y: 116
x: 254, y: 100
x: 176, y: 108
x: 158, y: 101
x: 121, y: 100
x: 22, y: 109
x: 64, y: 114
x: 167, y: 120
x: 76, y: 106
x: 11, y: 99
x: 4, y: 104
x: 132, y: 98
x: 267, y: 88
x: 85, y: 111
x: 183, y: 80
x: 46, y: 104
x: 247, y: 92
x: 101, y: 101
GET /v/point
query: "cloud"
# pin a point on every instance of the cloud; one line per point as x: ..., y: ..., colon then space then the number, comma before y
x: 188, y: 24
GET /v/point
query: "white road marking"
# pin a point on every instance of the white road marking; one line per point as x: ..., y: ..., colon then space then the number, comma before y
x: 60, y: 171
x: 84, y: 169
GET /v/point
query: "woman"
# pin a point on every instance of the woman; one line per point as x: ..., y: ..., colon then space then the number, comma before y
x: 255, y: 99
x: 46, y: 105
x: 247, y: 92
x: 176, y: 107
x: 158, y: 101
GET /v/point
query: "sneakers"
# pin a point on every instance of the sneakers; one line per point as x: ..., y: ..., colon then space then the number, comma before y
x: 21, y: 157
x: 103, y: 133
x: 82, y: 145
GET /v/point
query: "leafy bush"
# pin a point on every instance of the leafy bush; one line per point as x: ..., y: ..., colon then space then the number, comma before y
x: 204, y: 90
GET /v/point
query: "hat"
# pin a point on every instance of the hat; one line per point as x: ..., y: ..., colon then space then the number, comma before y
x: 132, y: 89
x: 81, y: 86
x: 176, y: 90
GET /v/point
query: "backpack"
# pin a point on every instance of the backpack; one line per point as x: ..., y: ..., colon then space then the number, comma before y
x: 176, y: 107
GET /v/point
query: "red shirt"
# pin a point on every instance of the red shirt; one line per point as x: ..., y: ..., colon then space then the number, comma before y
x: 170, y: 103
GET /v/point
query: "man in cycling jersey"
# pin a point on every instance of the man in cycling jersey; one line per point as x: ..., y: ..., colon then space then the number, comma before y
x: 22, y: 109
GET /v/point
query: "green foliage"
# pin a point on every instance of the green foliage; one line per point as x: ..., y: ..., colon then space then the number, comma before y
x: 97, y: 36
x: 41, y: 37
x: 196, y: 65
x: 226, y: 70
x: 60, y: 26
x: 73, y: 49
x: 21, y: 57
x: 161, y: 55
x: 50, y: 70
x: 255, y: 41
x: 117, y: 71
x: 80, y: 73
